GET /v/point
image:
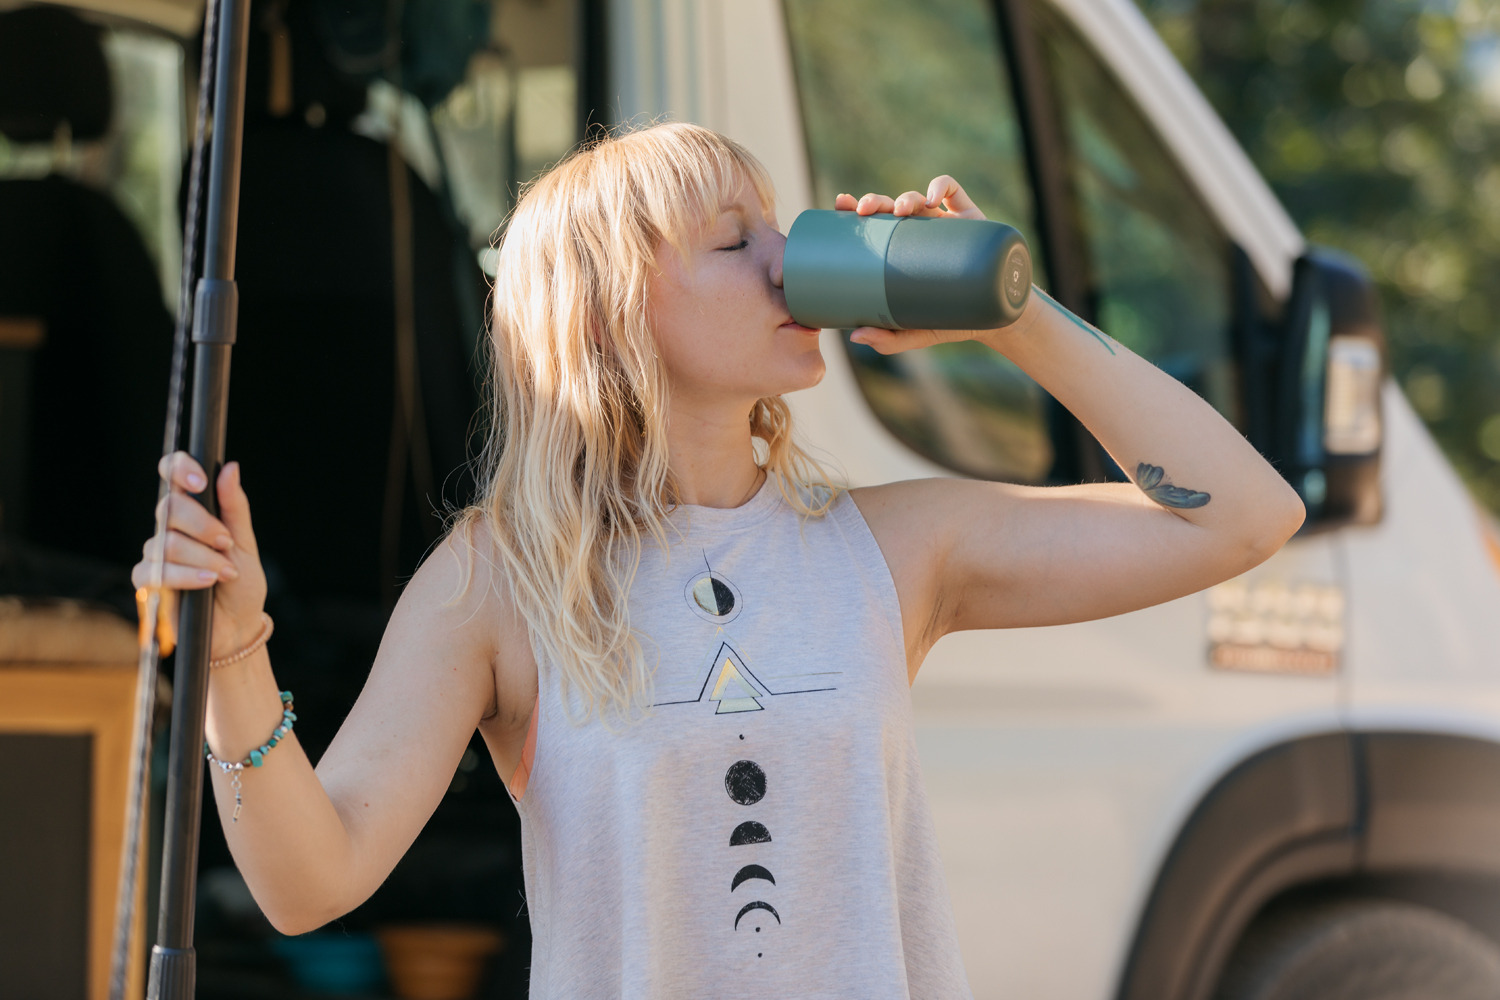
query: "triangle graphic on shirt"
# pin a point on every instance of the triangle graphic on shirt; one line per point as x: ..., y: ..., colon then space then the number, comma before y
x: 732, y: 692
x: 734, y: 687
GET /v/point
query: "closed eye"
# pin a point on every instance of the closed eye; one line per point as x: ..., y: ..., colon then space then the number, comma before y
x: 742, y: 244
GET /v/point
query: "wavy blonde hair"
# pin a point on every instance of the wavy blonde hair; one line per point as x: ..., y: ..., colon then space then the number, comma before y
x: 575, y: 471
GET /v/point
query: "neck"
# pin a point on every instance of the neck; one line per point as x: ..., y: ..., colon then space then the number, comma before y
x: 711, y: 455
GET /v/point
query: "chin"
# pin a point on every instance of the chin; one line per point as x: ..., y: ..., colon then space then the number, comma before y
x: 809, y: 373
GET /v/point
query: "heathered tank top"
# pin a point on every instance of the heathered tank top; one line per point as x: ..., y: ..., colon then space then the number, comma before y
x: 764, y: 833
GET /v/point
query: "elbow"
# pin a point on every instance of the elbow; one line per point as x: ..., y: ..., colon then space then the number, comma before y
x: 285, y: 924
x: 293, y: 923
x: 1292, y: 514
x: 300, y: 916
x: 1279, y: 519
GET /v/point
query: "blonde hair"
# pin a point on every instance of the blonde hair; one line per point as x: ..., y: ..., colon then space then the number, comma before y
x: 574, y: 474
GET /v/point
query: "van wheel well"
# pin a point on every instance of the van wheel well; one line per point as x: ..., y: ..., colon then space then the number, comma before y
x: 1470, y: 897
x: 1347, y: 941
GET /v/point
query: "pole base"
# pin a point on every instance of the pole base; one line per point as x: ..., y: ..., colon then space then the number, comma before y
x: 174, y: 973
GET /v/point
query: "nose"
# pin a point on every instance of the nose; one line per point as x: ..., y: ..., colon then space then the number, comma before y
x: 778, y: 251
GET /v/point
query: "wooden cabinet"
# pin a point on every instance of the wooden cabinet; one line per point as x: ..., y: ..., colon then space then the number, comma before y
x: 67, y: 704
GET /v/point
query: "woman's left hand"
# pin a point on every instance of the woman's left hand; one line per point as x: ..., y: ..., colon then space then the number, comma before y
x: 945, y: 199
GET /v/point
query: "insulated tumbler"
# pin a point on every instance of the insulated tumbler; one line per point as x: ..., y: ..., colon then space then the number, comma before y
x: 843, y: 270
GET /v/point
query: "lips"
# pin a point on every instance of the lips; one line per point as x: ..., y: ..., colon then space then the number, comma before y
x: 798, y: 326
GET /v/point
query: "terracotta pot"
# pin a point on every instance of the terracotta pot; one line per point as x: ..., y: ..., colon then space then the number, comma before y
x: 437, y: 961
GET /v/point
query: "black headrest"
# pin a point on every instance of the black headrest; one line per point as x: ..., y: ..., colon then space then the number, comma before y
x: 52, y: 70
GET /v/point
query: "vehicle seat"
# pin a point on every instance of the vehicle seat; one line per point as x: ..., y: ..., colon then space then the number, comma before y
x: 85, y: 337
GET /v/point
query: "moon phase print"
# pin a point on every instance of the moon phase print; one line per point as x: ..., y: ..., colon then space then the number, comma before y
x: 749, y: 832
x: 713, y: 598
x: 745, y: 782
x: 749, y: 872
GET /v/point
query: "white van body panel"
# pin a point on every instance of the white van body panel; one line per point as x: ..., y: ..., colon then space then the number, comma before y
x: 1062, y: 763
x: 1424, y: 609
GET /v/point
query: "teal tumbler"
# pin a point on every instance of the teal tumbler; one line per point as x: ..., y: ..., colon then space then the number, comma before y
x: 843, y: 270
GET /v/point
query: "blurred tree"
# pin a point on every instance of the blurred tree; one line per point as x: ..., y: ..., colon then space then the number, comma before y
x: 1377, y: 123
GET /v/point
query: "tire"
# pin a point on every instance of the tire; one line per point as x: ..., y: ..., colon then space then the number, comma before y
x: 1362, y: 950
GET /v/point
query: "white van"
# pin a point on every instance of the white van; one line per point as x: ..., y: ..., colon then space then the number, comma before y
x: 1287, y: 786
x: 1295, y: 776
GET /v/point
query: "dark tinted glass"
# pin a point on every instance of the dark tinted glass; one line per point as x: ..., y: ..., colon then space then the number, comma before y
x: 894, y: 93
x: 1158, y: 264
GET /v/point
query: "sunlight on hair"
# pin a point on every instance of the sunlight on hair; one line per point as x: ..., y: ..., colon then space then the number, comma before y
x: 574, y: 474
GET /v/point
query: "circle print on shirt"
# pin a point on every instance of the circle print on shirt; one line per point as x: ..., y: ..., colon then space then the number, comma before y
x: 713, y: 598
x: 745, y: 782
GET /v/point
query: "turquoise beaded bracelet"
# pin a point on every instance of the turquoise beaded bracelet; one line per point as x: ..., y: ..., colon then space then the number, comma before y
x: 257, y: 757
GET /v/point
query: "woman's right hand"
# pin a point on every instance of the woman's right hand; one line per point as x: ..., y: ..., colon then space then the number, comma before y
x: 203, y: 551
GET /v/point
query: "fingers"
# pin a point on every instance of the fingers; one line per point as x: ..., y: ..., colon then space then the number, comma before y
x: 945, y: 196
x: 896, y: 341
x: 182, y: 471
x: 190, y: 564
x: 234, y: 508
x: 196, y: 550
x: 189, y: 517
x: 945, y: 192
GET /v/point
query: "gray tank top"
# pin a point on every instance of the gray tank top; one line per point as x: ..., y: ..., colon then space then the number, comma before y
x: 765, y: 831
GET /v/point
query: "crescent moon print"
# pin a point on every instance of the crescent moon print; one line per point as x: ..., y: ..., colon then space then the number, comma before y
x: 749, y: 832
x: 757, y: 905
x: 749, y: 872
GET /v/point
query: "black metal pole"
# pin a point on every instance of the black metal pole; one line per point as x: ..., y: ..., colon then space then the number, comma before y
x: 173, y: 974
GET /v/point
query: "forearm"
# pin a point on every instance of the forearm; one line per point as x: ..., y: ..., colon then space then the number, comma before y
x: 289, y: 842
x: 1147, y: 420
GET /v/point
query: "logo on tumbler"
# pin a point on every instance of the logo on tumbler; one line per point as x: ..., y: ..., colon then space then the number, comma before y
x: 1017, y: 276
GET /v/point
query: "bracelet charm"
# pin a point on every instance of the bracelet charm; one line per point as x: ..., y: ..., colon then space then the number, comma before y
x: 256, y: 757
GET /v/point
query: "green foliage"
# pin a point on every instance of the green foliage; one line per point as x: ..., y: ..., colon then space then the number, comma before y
x: 1377, y: 122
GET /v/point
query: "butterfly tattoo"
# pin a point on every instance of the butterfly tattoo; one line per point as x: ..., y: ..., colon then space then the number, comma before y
x: 1153, y: 482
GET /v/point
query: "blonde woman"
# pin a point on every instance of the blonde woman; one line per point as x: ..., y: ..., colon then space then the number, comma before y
x: 688, y: 651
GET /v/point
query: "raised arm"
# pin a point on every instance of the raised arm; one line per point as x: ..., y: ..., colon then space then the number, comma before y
x: 313, y: 844
x: 1204, y: 506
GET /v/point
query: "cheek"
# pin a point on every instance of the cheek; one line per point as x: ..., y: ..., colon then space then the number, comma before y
x: 701, y: 333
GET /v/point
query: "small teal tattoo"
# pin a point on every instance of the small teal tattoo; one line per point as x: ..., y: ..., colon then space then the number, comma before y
x: 1153, y: 482
x: 1091, y: 330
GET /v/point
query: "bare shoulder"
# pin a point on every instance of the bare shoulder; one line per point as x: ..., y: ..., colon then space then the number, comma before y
x: 460, y: 600
x: 924, y: 512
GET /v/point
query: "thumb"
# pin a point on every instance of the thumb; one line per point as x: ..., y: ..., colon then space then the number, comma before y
x: 234, y: 508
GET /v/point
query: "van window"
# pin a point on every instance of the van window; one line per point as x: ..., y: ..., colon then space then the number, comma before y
x: 139, y: 161
x: 894, y: 93
x: 1158, y: 265
x: 515, y: 113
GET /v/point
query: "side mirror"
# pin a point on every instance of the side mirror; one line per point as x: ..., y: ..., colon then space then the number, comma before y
x: 1325, y: 424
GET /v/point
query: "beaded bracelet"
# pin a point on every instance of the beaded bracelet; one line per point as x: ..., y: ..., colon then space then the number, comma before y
x: 256, y: 757
x: 267, y: 626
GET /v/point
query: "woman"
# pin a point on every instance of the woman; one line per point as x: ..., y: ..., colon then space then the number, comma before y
x: 689, y: 652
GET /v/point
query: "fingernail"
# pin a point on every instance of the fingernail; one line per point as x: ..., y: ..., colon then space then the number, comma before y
x: 196, y: 481
x: 207, y: 575
x: 224, y: 543
x: 229, y: 573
